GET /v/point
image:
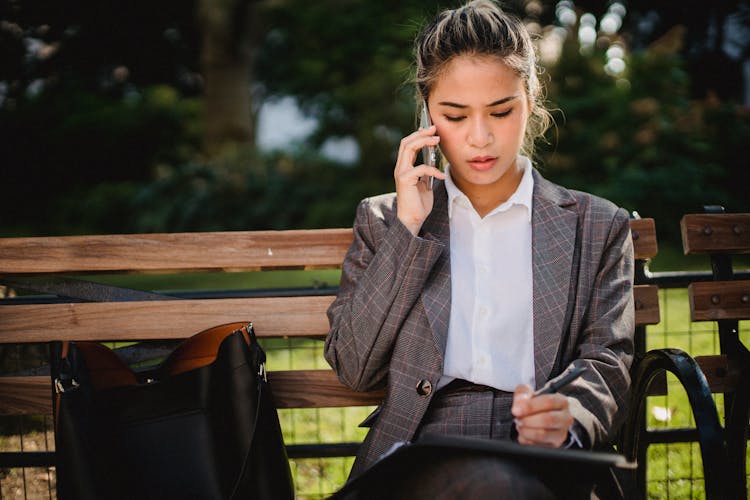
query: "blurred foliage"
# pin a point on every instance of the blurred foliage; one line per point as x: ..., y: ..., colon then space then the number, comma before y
x: 350, y: 71
x: 241, y: 189
x: 101, y: 129
x: 640, y: 141
x: 100, y: 46
x: 70, y: 152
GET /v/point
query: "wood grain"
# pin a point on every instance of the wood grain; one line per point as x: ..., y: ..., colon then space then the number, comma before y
x: 217, y: 251
x: 316, y: 389
x: 721, y: 376
x: 25, y: 395
x: 715, y: 233
x: 645, y: 244
x: 172, y: 319
x: 716, y: 300
x: 646, y: 301
x: 176, y: 252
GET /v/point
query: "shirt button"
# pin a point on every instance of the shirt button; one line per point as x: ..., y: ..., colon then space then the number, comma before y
x: 483, y: 311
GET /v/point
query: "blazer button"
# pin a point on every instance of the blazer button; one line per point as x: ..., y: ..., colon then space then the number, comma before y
x: 424, y: 387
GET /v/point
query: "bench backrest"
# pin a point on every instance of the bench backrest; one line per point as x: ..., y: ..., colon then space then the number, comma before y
x: 725, y: 299
x: 282, y: 315
x: 288, y: 315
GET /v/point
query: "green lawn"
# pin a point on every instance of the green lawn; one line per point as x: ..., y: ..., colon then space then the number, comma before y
x: 224, y: 281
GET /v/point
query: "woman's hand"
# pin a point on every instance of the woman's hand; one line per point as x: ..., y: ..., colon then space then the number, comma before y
x: 543, y: 420
x: 414, y: 198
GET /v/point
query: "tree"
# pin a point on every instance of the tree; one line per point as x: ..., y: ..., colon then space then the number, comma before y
x: 347, y: 63
x: 229, y: 31
x: 715, y: 42
x: 97, y: 92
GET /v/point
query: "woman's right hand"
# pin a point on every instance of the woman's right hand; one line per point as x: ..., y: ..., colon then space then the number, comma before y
x: 414, y: 198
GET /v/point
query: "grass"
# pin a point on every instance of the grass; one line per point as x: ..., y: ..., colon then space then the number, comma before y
x: 676, y: 470
x: 225, y: 281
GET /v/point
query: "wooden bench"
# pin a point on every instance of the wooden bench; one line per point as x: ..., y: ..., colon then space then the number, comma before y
x: 725, y: 300
x: 39, y: 262
x: 722, y: 450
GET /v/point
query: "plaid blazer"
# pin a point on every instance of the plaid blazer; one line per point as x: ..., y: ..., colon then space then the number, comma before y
x: 389, y: 322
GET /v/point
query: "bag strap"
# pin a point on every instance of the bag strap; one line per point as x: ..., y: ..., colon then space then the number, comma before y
x: 64, y: 377
x: 89, y: 291
x: 259, y: 359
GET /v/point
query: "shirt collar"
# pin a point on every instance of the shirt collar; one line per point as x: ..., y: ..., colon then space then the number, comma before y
x: 522, y: 195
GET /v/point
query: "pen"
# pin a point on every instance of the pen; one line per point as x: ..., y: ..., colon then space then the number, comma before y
x: 558, y: 384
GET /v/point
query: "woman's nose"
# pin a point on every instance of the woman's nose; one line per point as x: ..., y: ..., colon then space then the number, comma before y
x: 480, y: 134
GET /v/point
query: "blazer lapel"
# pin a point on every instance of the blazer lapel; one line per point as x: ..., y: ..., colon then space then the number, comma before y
x: 552, y: 242
x: 436, y: 297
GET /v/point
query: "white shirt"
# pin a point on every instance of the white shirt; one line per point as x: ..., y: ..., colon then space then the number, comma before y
x: 491, y: 330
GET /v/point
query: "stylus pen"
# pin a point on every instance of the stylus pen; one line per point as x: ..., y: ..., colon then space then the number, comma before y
x: 558, y: 384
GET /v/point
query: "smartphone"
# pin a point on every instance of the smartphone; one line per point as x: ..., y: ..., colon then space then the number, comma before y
x: 429, y: 153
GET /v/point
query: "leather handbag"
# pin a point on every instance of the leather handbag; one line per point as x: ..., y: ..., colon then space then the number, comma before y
x: 202, y: 424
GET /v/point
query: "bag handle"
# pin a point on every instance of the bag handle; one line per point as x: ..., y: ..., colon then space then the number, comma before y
x: 201, y: 349
x: 249, y: 333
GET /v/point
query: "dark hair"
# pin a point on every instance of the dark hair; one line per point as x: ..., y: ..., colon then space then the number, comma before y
x: 482, y: 28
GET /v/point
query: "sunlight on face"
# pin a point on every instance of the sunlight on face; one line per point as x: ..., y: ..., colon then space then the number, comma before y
x: 480, y: 108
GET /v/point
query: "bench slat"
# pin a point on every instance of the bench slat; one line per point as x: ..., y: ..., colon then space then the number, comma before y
x: 715, y: 233
x: 646, y: 299
x: 311, y: 389
x: 176, y: 252
x: 721, y: 376
x: 291, y: 389
x: 716, y: 300
x: 316, y: 389
x: 644, y: 238
x: 25, y: 395
x: 173, y: 319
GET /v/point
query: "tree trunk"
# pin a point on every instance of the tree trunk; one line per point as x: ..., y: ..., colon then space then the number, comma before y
x: 226, y: 64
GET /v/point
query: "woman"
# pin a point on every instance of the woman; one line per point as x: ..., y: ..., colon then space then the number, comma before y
x: 462, y: 298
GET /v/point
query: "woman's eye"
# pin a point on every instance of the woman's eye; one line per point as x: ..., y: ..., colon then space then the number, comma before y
x: 454, y: 118
x: 503, y: 114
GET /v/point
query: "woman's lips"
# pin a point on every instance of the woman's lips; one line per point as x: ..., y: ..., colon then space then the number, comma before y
x: 482, y: 163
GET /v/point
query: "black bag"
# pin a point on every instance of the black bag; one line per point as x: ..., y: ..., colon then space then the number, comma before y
x: 202, y: 425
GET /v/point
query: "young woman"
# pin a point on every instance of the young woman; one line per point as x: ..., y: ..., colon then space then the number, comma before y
x: 464, y: 298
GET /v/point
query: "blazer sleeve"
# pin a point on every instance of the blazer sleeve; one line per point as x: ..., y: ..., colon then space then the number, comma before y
x: 383, y: 275
x: 605, y: 340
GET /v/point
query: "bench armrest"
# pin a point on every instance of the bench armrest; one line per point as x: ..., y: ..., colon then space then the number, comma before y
x: 710, y: 432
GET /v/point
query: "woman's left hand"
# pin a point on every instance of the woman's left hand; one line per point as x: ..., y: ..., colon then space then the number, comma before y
x: 543, y: 420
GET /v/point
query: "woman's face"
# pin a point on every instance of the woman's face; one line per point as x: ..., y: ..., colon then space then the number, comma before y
x: 480, y: 108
